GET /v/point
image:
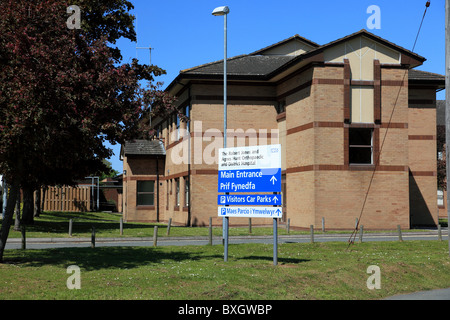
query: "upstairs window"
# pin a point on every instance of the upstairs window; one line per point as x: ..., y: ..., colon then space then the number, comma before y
x: 178, y: 127
x: 281, y: 106
x: 361, y: 146
x: 186, y: 113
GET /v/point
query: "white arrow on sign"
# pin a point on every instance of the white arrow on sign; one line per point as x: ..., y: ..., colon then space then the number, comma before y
x: 273, y: 179
x: 275, y: 199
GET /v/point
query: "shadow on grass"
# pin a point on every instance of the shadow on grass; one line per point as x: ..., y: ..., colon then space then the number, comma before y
x: 58, y: 223
x: 103, y: 258
x: 280, y: 260
x: 61, y: 216
x: 85, y: 227
x: 92, y: 259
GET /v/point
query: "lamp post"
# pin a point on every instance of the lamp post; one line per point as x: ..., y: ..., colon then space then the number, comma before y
x: 223, y: 11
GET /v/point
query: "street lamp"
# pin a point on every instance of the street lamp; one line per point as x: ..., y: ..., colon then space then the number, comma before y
x: 223, y: 11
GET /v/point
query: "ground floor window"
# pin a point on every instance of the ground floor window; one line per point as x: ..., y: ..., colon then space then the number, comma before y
x: 146, y: 193
x: 177, y: 191
x: 440, y: 198
x: 167, y: 194
x: 186, y: 191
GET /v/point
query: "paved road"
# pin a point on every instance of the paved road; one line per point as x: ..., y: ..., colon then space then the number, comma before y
x: 45, y: 243
x: 440, y: 294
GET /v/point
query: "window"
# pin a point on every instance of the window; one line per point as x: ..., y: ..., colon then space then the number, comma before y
x: 360, y: 146
x: 186, y: 191
x: 440, y: 198
x: 178, y: 127
x: 166, y: 133
x: 177, y: 190
x: 186, y: 113
x: 146, y: 193
x: 158, y: 131
x: 173, y: 122
x: 167, y: 194
x: 281, y: 107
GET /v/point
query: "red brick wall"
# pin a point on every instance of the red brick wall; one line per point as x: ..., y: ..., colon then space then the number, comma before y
x: 423, y: 156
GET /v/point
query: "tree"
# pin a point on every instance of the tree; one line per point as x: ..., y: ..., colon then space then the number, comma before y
x: 63, y: 94
x: 107, y: 18
x: 109, y: 173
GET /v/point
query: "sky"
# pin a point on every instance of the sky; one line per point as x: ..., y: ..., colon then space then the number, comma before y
x: 185, y: 34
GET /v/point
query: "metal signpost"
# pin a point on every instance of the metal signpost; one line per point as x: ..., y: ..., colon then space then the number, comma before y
x: 250, y: 170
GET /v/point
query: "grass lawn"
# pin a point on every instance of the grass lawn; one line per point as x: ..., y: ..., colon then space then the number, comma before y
x: 305, y: 271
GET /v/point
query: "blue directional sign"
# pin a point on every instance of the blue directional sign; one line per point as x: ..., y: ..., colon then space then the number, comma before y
x: 253, y: 180
x: 250, y: 169
x: 250, y: 212
x: 249, y: 199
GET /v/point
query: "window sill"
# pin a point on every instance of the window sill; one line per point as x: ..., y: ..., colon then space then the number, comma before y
x: 186, y: 209
x: 281, y: 116
x: 360, y: 167
x: 141, y: 207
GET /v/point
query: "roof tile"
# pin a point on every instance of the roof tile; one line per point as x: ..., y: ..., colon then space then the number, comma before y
x: 144, y: 147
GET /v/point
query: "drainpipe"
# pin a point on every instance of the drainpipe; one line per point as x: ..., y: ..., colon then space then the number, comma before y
x: 157, y: 189
x: 189, y: 157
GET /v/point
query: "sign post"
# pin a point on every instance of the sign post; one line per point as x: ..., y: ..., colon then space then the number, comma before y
x: 251, y: 169
x: 275, y: 241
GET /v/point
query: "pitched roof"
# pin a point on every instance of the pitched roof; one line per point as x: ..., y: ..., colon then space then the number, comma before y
x: 295, y: 37
x: 144, y: 147
x: 244, y: 65
x: 255, y: 63
x: 425, y: 75
x: 426, y: 79
x: 257, y: 66
x: 372, y: 36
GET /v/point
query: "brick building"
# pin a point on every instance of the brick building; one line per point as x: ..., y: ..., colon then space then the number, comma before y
x: 356, y: 122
